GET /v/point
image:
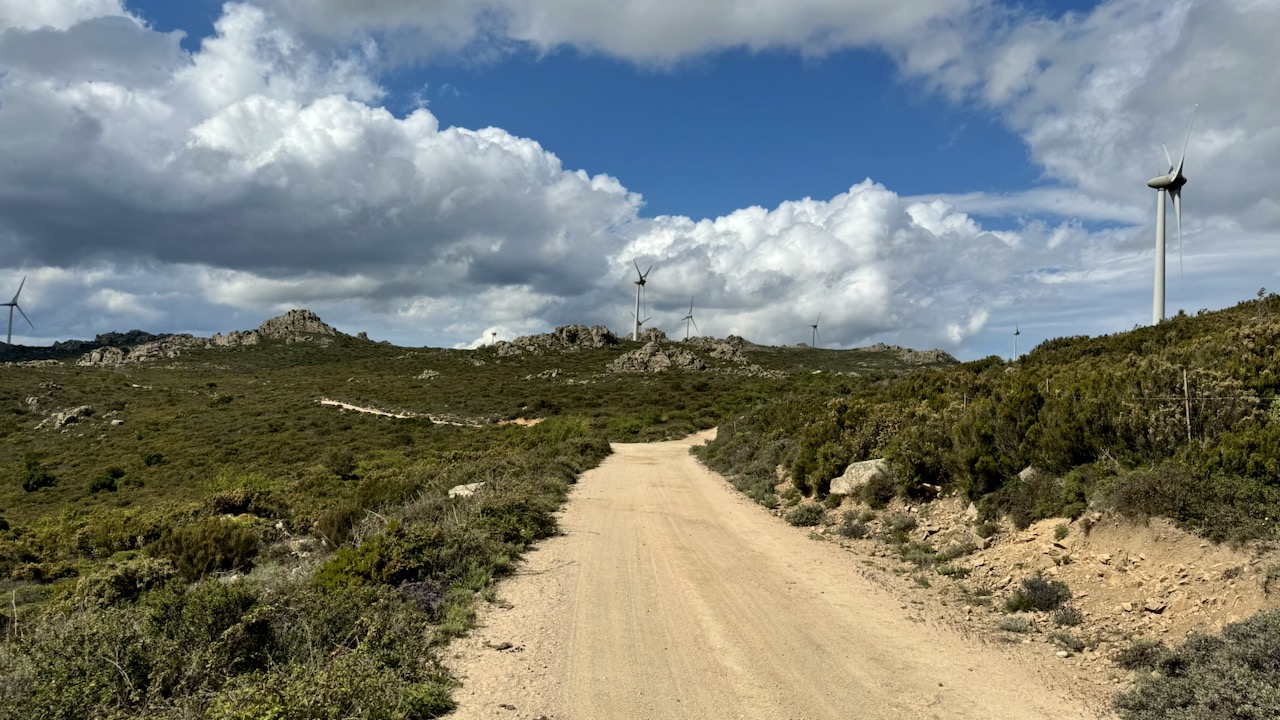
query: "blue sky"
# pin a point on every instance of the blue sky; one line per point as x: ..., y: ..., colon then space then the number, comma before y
x: 922, y: 174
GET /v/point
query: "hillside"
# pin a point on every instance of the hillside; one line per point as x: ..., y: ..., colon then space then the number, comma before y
x: 1139, y: 472
x: 204, y: 514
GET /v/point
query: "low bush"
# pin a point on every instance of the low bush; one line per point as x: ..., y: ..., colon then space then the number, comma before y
x: 1038, y: 594
x: 106, y: 480
x: 1142, y: 654
x: 878, y: 491
x: 207, y: 546
x: 35, y: 474
x: 122, y: 582
x: 806, y: 515
x: 1234, y: 675
x: 1066, y: 640
x: 851, y: 528
x: 1067, y: 616
x: 1015, y: 623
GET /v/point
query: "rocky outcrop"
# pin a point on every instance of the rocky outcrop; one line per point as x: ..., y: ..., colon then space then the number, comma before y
x: 567, y: 338
x: 655, y: 358
x: 293, y: 326
x: 65, y: 417
x: 915, y: 357
x: 859, y: 474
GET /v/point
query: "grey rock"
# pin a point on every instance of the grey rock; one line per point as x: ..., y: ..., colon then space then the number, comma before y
x: 465, y: 490
x: 859, y: 474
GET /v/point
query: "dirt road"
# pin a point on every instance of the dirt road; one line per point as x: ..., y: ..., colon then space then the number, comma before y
x: 672, y: 596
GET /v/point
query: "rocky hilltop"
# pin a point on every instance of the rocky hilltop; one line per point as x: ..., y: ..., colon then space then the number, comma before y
x: 567, y: 338
x: 292, y: 327
x: 914, y: 357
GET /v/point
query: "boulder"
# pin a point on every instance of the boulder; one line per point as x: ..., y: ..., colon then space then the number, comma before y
x: 859, y: 474
x: 655, y: 358
x: 66, y: 417
x: 465, y: 490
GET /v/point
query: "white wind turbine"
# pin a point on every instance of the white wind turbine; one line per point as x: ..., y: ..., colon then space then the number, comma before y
x: 13, y: 305
x: 639, y: 282
x: 689, y: 319
x: 1170, y: 183
x: 815, y: 330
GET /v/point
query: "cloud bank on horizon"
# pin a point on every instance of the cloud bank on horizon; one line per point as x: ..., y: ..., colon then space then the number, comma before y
x: 146, y: 184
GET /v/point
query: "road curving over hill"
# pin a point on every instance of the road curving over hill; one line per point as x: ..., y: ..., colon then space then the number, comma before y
x: 670, y: 595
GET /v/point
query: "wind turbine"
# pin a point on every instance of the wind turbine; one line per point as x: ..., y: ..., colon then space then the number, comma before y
x: 689, y: 319
x: 815, y: 330
x: 493, y: 334
x: 639, y: 282
x: 1016, y: 333
x: 1170, y: 183
x: 13, y: 304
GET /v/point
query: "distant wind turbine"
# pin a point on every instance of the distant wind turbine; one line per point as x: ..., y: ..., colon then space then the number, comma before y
x: 13, y: 305
x: 494, y: 335
x: 1016, y: 333
x: 1170, y: 183
x: 689, y: 319
x: 639, y: 282
x: 815, y: 329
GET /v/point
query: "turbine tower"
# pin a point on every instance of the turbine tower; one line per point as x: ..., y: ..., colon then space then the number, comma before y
x: 639, y: 282
x: 815, y: 330
x: 1170, y: 183
x: 689, y: 319
x: 13, y: 304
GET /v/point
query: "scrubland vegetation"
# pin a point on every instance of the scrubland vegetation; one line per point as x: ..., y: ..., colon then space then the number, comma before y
x: 207, y: 540
x: 1178, y: 420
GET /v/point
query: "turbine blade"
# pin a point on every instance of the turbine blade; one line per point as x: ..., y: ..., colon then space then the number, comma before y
x: 1166, y: 156
x: 1187, y: 139
x: 633, y: 262
x: 24, y: 316
x: 690, y: 307
x: 646, y: 272
x: 15, y: 295
x: 815, y: 322
x: 1177, y: 213
x: 695, y: 324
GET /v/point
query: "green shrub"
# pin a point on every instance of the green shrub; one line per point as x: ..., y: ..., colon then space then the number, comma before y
x: 1067, y: 616
x: 35, y: 474
x: 123, y: 581
x: 987, y: 529
x: 1066, y: 640
x: 1234, y: 675
x: 851, y: 527
x: 900, y: 523
x: 336, y: 523
x: 245, y: 501
x: 1015, y: 623
x: 1142, y: 654
x: 207, y: 546
x: 1038, y: 594
x: 878, y: 491
x: 106, y: 480
x: 806, y: 515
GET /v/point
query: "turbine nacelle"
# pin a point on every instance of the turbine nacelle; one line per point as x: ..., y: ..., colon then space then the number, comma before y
x: 1172, y: 181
